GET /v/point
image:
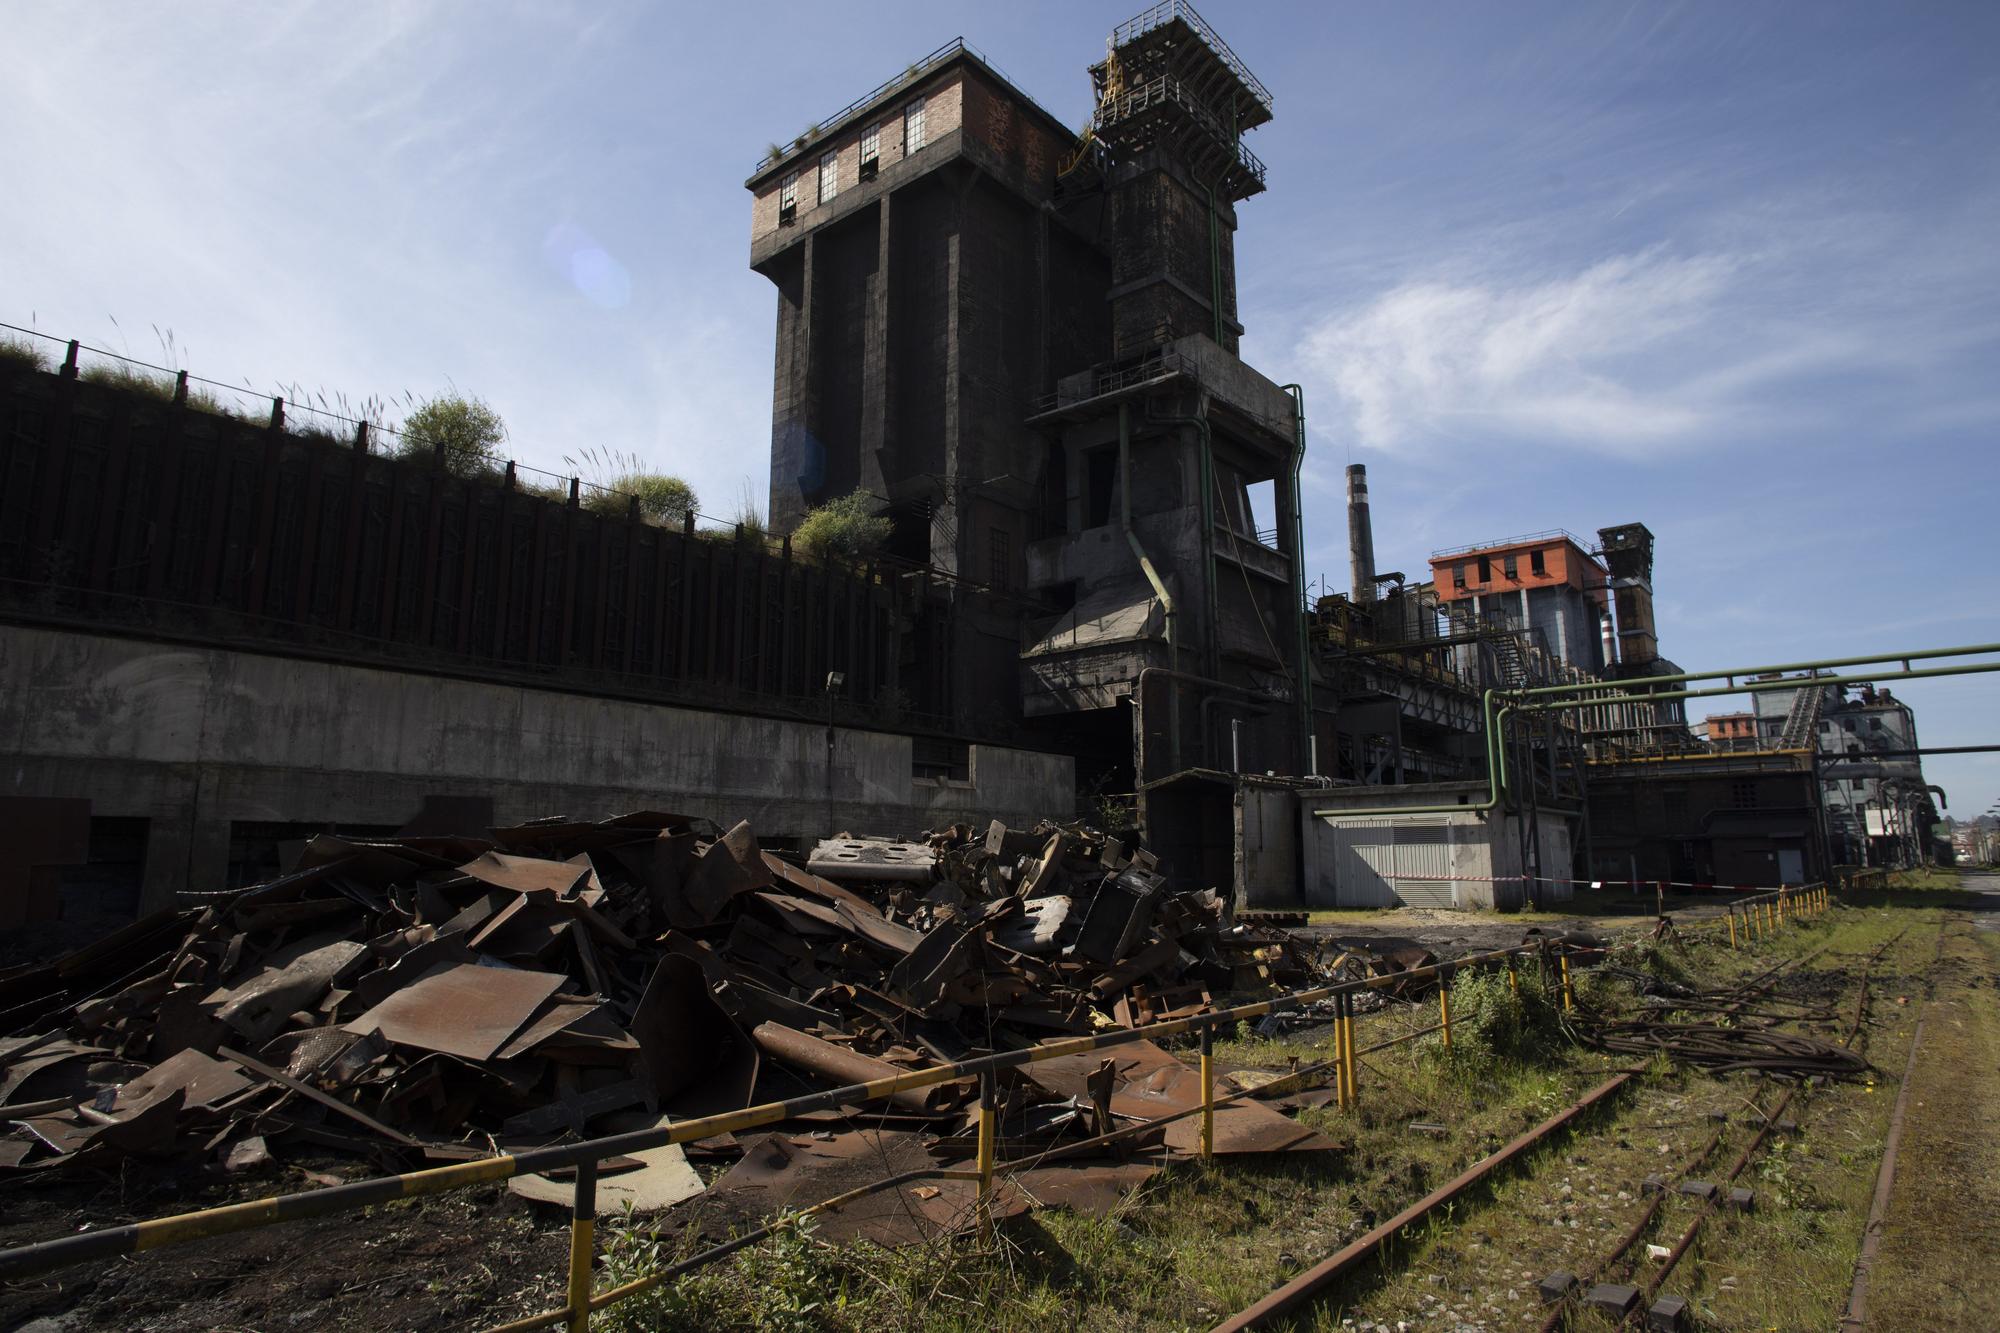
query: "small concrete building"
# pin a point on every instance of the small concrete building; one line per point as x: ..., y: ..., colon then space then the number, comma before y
x: 1408, y: 847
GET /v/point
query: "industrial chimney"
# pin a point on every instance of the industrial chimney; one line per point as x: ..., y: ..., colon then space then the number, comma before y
x: 1360, y: 537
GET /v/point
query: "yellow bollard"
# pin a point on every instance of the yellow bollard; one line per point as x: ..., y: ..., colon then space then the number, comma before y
x: 988, y: 1134
x: 1569, y: 996
x: 1348, y: 1061
x: 1513, y: 977
x: 1208, y: 1094
x: 1444, y: 1011
x: 1732, y: 925
x: 582, y: 1238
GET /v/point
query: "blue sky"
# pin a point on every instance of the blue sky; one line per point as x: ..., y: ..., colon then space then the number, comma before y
x: 1728, y: 270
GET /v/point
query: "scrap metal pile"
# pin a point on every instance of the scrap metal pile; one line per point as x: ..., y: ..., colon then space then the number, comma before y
x: 422, y: 999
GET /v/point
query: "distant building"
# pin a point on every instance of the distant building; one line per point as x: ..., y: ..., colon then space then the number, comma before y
x: 1879, y: 809
x: 1547, y: 583
x: 1729, y: 731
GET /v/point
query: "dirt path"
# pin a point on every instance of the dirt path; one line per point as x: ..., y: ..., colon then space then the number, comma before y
x: 1945, y: 1205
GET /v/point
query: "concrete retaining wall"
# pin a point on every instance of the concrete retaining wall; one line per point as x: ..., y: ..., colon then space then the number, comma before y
x: 194, y: 739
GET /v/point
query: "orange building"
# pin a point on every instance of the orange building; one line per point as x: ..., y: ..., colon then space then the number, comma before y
x: 1547, y: 581
x: 1730, y: 730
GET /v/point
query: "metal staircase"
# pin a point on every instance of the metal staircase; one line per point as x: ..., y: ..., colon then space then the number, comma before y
x: 1801, y: 731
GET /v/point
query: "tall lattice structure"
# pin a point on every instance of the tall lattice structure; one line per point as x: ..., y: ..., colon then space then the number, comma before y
x: 1173, y: 103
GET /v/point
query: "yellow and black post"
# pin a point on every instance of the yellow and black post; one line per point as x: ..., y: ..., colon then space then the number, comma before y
x: 582, y: 1241
x: 1208, y: 1092
x: 1444, y: 1008
x: 1513, y: 977
x: 988, y: 1140
x: 1732, y: 925
x: 1352, y: 1063
x: 1569, y: 996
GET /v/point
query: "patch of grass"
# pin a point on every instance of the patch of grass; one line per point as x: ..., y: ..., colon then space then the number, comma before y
x: 17, y: 353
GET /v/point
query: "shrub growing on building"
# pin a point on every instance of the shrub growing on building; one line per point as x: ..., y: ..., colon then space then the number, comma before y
x: 844, y: 526
x: 467, y: 429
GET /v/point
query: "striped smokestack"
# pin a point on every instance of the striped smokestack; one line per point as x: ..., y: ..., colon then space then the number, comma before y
x: 1360, y: 536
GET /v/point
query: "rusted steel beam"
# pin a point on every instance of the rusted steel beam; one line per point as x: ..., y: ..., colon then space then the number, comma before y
x: 538, y: 579
x: 216, y: 535
x: 433, y: 536
x: 166, y: 495
x: 309, y: 526
x: 111, y: 488
x: 393, y: 556
x: 570, y: 516
x: 1308, y: 1284
x: 468, y: 571
x: 350, y: 531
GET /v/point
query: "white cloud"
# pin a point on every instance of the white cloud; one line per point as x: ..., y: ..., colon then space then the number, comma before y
x: 1572, y: 359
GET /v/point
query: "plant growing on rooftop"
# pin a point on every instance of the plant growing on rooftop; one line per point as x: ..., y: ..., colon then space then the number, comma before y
x: 465, y: 429
x: 616, y: 477
x: 845, y: 526
x: 20, y: 354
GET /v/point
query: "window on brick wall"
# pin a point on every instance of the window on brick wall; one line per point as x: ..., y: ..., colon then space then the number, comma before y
x: 1510, y: 565
x: 1485, y: 570
x: 1536, y: 564
x: 1458, y: 576
x: 829, y: 177
x: 913, y: 126
x: 1000, y: 558
x: 940, y: 760
x: 788, y: 199
x: 871, y: 151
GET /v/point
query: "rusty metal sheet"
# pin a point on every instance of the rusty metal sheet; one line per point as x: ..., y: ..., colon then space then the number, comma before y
x: 873, y: 859
x: 1149, y: 1082
x: 699, y: 1060
x: 783, y: 1172
x: 524, y: 874
x: 658, y: 1178
x: 292, y: 979
x: 466, y: 1010
x: 203, y: 1081
x: 945, y: 953
x: 1095, y: 1190
x: 560, y: 1012
x: 731, y: 865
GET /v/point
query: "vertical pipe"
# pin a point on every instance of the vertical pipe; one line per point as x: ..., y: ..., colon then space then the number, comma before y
x: 1513, y: 976
x: 1732, y: 925
x: 1152, y: 577
x: 1444, y: 1009
x: 1235, y: 745
x: 1569, y: 996
x: 1208, y: 1094
x: 582, y: 1226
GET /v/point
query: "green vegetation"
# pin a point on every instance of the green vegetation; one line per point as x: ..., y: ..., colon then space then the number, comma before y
x: 842, y: 527
x: 20, y: 354
x: 613, y: 479
x: 465, y: 429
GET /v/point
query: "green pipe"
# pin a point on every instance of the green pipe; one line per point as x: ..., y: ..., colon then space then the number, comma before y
x: 1495, y: 723
x: 1762, y: 686
x: 1923, y: 655
x: 1152, y: 575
